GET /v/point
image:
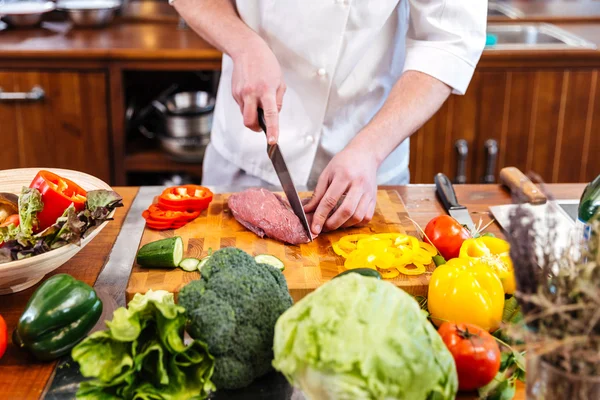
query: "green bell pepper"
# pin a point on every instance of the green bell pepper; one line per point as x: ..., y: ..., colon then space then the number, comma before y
x: 59, y: 314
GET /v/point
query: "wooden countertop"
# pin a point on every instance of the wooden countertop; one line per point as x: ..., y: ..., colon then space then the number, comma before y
x: 147, y: 31
x: 553, y: 10
x: 22, y: 377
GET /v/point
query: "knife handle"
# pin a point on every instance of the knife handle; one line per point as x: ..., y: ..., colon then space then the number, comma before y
x: 261, y: 120
x: 446, y: 192
x: 521, y: 186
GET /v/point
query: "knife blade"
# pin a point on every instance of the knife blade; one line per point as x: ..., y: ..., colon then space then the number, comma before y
x: 285, y: 178
x: 445, y: 191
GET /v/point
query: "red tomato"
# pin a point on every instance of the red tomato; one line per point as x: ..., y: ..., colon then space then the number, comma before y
x: 475, y: 352
x: 3, y: 336
x: 447, y: 235
x: 11, y: 219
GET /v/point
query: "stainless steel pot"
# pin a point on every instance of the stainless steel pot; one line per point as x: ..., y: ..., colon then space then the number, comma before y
x: 187, y: 114
x: 91, y: 13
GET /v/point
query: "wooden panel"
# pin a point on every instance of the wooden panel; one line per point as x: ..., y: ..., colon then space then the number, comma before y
x: 541, y: 147
x: 9, y: 156
x: 68, y: 128
x: 308, y: 266
x: 591, y: 162
x: 492, y: 116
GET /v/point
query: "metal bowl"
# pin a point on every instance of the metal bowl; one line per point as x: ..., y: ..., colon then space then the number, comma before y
x: 90, y: 14
x: 190, y: 103
x: 187, y: 149
x: 25, y: 13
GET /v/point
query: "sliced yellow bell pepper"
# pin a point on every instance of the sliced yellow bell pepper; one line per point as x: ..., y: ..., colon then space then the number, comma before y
x: 461, y: 291
x: 495, y: 253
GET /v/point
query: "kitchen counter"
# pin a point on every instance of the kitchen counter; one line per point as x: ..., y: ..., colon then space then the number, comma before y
x: 147, y: 32
x: 22, y: 377
x: 552, y: 10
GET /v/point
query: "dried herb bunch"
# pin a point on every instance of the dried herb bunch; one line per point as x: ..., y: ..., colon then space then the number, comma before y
x: 559, y: 295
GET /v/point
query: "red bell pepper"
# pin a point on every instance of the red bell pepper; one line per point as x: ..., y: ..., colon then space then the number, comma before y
x: 185, y: 197
x: 57, y: 194
x: 3, y: 336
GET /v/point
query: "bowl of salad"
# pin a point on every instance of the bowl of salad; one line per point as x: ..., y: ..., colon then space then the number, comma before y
x: 46, y: 217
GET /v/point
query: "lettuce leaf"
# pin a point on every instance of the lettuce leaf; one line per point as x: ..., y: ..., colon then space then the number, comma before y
x: 142, y: 354
x: 30, y: 203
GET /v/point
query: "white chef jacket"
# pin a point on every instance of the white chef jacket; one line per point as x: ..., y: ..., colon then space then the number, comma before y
x: 340, y: 59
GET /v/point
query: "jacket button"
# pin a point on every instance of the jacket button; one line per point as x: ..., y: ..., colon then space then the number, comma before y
x: 321, y: 72
x: 310, y: 139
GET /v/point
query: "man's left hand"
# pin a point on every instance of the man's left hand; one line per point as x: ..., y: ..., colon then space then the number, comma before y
x: 353, y: 173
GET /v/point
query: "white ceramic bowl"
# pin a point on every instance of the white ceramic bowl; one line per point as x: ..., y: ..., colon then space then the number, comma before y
x: 22, y: 274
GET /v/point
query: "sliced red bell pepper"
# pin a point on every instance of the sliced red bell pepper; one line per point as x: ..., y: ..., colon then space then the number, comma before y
x: 185, y: 197
x: 157, y: 212
x: 11, y: 219
x: 57, y: 194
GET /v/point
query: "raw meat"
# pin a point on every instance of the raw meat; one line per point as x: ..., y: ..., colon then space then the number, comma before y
x: 267, y: 214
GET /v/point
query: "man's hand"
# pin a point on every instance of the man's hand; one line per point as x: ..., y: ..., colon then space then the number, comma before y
x: 353, y: 173
x: 258, y: 82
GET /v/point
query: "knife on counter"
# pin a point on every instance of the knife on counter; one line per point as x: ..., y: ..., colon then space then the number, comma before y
x: 445, y: 191
x: 285, y: 178
x: 521, y: 187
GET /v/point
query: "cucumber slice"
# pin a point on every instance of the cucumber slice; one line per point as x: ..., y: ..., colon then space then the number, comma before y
x: 189, y: 264
x: 202, y: 262
x: 371, y: 273
x: 270, y: 260
x: 164, y: 253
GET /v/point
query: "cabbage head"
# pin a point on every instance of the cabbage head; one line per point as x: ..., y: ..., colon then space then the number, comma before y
x: 358, y: 337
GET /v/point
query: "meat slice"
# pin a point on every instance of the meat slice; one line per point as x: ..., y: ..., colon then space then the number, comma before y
x: 267, y: 214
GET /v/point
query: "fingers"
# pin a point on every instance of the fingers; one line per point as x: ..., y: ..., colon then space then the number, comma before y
x: 347, y: 211
x: 328, y: 201
x: 312, y: 203
x: 359, y: 214
x: 269, y: 105
x: 279, y: 95
x: 250, y: 114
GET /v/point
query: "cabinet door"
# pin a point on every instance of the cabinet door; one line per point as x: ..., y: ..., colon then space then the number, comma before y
x: 433, y: 147
x: 68, y: 128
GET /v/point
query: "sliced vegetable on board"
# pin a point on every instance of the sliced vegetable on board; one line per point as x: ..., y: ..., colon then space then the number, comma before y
x: 270, y: 260
x: 59, y: 314
x: 163, y: 253
x: 447, y: 235
x: 464, y: 292
x: 58, y: 193
x: 388, y: 253
x: 186, y: 197
x: 189, y: 264
x: 475, y: 352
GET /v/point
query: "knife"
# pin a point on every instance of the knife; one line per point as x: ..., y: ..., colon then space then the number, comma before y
x: 448, y: 197
x: 285, y: 178
x: 521, y: 187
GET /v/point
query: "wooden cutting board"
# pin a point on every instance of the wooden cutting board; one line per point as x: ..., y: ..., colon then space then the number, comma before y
x: 307, y: 266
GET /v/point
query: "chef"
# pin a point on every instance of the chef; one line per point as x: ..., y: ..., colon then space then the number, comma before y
x: 343, y: 85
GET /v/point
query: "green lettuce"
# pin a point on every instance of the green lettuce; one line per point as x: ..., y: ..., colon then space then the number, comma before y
x: 30, y: 203
x: 359, y: 337
x: 142, y: 355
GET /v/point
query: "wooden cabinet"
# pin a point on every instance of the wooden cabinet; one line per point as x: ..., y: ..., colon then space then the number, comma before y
x: 546, y: 121
x: 67, y: 128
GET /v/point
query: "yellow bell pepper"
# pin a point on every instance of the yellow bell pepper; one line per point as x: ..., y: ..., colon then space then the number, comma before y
x: 465, y: 292
x: 495, y: 253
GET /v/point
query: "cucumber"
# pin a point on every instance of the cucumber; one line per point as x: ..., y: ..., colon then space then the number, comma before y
x: 270, y: 260
x: 164, y: 253
x: 202, y: 262
x: 189, y: 264
x: 371, y: 273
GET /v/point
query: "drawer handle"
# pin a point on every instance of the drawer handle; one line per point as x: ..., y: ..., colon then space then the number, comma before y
x: 491, y: 151
x: 462, y: 150
x: 35, y: 94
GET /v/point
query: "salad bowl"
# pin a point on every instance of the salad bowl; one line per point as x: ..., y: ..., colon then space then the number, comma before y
x: 19, y: 275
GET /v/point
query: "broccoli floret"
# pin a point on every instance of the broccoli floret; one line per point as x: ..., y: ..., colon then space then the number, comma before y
x: 233, y: 308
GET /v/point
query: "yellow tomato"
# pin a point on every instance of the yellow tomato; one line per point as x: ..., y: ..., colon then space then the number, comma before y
x: 465, y: 292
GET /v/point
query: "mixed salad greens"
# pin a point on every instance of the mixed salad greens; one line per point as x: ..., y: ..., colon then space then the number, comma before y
x: 51, y: 213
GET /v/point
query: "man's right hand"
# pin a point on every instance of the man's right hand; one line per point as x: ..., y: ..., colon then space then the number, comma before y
x: 258, y: 82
